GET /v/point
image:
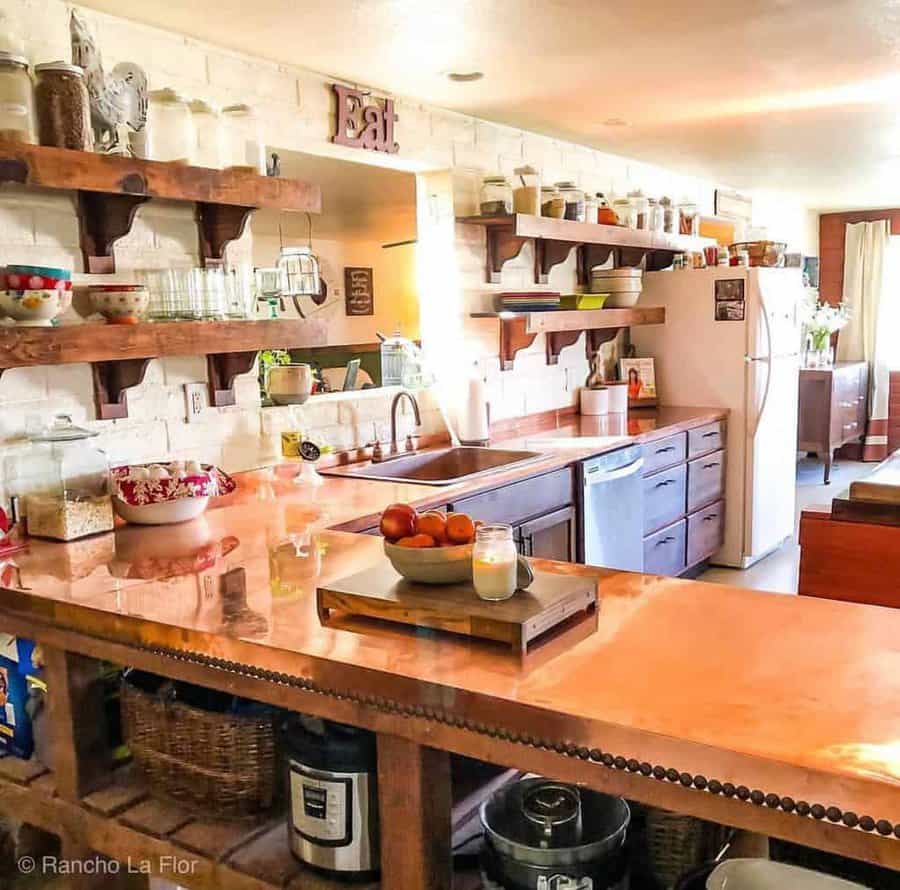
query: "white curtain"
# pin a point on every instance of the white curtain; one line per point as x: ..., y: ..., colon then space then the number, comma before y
x: 866, y: 336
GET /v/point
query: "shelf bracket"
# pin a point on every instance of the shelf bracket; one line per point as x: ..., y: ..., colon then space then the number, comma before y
x: 657, y: 260
x: 557, y: 341
x: 111, y: 380
x: 630, y: 257
x: 589, y: 256
x: 548, y: 254
x: 513, y: 337
x: 502, y: 246
x: 13, y: 170
x: 596, y: 337
x: 103, y: 219
x: 222, y: 368
x: 219, y: 225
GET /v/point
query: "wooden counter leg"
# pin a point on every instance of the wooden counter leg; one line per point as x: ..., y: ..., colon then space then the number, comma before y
x: 414, y: 797
x: 77, y: 722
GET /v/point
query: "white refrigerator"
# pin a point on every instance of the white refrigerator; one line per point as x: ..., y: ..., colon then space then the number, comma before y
x: 732, y: 340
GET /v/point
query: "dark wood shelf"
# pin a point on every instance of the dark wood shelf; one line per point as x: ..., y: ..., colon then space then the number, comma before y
x: 555, y: 238
x: 564, y: 326
x: 111, y: 188
x: 119, y: 354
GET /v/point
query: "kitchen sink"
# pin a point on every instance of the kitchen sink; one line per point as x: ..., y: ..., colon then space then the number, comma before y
x: 440, y: 467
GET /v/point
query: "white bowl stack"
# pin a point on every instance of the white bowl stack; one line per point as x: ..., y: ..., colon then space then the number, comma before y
x: 623, y: 286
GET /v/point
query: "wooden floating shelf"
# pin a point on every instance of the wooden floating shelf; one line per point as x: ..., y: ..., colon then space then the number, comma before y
x: 555, y: 238
x: 120, y: 354
x: 563, y: 327
x: 110, y: 189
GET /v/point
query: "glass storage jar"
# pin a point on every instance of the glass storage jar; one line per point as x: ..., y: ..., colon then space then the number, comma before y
x: 170, y: 128
x: 208, y: 130
x: 16, y: 100
x: 624, y: 212
x: 244, y: 148
x: 496, y: 196
x: 574, y: 198
x: 63, y: 106
x: 670, y: 216
x: 688, y: 219
x: 527, y: 191
x: 590, y: 208
x: 655, y: 219
x: 495, y: 563
x: 63, y: 483
x: 552, y: 203
x: 640, y: 209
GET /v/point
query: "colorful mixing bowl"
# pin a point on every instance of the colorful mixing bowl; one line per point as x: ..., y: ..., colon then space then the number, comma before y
x: 38, y: 278
x: 35, y: 308
x: 120, y: 303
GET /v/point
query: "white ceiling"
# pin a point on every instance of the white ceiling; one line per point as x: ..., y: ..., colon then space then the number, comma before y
x: 790, y: 95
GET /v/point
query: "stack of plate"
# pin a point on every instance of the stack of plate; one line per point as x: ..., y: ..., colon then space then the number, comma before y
x: 526, y: 301
x: 622, y: 285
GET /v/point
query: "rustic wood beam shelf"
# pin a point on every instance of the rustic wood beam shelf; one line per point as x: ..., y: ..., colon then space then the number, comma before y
x: 555, y: 238
x: 111, y: 188
x: 120, y: 354
x: 563, y: 327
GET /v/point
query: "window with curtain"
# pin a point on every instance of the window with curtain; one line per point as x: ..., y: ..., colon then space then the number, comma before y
x: 889, y: 316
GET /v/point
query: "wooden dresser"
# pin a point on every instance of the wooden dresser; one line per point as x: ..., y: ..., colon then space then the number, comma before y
x: 832, y: 408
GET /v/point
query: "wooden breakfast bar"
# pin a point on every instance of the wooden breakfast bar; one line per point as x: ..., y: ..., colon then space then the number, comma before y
x: 776, y: 714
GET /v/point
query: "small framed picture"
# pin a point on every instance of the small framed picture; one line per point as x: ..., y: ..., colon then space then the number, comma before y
x: 729, y: 299
x: 640, y: 375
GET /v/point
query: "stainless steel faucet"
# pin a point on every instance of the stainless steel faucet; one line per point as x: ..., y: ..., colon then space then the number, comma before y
x: 394, y: 450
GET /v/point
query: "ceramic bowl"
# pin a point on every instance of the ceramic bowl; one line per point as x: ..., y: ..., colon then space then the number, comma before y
x: 120, y: 303
x: 432, y: 565
x: 162, y: 512
x: 622, y: 300
x: 38, y: 278
x: 761, y: 874
x: 35, y: 308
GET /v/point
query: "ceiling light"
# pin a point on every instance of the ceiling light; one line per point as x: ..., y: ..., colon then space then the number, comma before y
x: 615, y: 122
x: 465, y: 76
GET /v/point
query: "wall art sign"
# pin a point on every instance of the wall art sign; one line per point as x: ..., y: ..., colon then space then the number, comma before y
x: 359, y: 125
x: 730, y: 299
x: 359, y: 291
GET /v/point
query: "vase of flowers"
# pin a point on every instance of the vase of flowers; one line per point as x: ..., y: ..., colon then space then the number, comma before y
x: 820, y: 321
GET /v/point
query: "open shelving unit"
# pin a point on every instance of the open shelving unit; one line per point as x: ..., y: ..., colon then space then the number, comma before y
x: 564, y: 327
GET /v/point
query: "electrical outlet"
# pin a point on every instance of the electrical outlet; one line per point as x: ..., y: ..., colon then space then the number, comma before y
x: 196, y: 398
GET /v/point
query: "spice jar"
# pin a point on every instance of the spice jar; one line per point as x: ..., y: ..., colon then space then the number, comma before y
x: 624, y: 212
x: 590, y: 208
x: 574, y: 198
x: 16, y: 100
x: 494, y: 563
x: 688, y: 219
x: 63, y: 106
x: 63, y: 483
x: 244, y: 148
x: 640, y: 208
x: 670, y: 224
x: 526, y: 191
x: 208, y: 130
x: 655, y: 220
x: 170, y: 128
x: 496, y: 196
x: 553, y: 204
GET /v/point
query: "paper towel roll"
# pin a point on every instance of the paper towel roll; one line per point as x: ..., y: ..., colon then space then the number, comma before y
x: 594, y: 401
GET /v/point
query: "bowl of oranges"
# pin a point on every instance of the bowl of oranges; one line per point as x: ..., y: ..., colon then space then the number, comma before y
x: 432, y: 547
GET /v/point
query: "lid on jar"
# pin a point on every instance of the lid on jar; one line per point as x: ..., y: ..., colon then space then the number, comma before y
x: 565, y: 184
x: 549, y: 188
x: 201, y: 106
x: 239, y: 109
x: 168, y: 96
x: 494, y: 179
x: 61, y: 67
x: 527, y: 170
x: 665, y: 201
x: 63, y: 430
x: 13, y: 59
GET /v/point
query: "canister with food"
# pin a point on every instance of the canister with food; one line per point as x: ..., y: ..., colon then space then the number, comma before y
x: 574, y: 198
x: 526, y: 190
x: 63, y: 106
x: 16, y: 99
x: 496, y: 196
x: 552, y: 203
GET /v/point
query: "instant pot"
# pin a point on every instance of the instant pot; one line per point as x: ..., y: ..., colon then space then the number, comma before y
x: 333, y: 795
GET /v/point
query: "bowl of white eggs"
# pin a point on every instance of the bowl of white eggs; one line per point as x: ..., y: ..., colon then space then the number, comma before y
x: 166, y: 493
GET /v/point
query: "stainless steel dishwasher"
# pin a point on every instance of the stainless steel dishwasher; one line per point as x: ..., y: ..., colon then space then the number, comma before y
x: 611, y: 504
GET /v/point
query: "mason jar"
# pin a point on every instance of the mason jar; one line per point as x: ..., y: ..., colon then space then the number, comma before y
x: 208, y: 129
x: 16, y: 100
x: 495, y: 562
x: 63, y: 106
x: 496, y: 197
x: 244, y: 148
x: 170, y: 128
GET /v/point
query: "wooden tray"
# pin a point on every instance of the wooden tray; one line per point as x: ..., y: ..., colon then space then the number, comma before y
x: 379, y: 592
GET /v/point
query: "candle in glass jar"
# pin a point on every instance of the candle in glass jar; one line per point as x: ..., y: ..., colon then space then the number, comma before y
x: 494, y: 563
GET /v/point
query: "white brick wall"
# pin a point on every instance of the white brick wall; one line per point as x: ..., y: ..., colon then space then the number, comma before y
x: 297, y: 114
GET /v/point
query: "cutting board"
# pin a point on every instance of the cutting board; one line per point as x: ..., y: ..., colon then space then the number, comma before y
x: 882, y: 485
x: 379, y: 592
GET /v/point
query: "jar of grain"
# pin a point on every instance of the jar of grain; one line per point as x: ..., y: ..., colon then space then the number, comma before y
x: 170, y: 128
x: 552, y: 203
x: 527, y: 191
x: 209, y: 132
x: 244, y: 147
x: 624, y: 212
x: 16, y: 100
x: 495, y: 198
x: 641, y: 209
x: 63, y: 484
x: 63, y: 106
x: 574, y: 198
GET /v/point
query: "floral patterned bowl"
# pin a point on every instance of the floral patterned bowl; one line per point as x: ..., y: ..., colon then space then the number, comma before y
x: 120, y: 303
x: 35, y: 308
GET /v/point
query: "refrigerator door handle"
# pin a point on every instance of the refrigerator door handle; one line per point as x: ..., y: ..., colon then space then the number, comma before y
x: 768, y: 362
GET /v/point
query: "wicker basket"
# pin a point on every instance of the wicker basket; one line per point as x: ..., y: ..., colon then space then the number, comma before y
x: 222, y: 765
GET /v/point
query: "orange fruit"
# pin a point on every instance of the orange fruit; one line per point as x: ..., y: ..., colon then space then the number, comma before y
x: 417, y: 542
x: 460, y: 528
x: 432, y: 523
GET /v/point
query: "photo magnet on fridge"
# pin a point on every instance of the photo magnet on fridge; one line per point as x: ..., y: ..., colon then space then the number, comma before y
x: 729, y: 299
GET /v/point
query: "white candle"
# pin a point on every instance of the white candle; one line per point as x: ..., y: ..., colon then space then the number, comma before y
x: 494, y: 577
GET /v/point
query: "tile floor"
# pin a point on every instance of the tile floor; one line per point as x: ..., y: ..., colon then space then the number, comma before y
x: 778, y: 571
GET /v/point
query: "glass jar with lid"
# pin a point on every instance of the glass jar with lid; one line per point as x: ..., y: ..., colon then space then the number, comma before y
x: 553, y: 204
x: 170, y: 128
x: 62, y: 483
x: 63, y: 106
x: 495, y: 562
x: 670, y: 216
x: 244, y: 148
x: 16, y: 100
x: 688, y: 218
x: 574, y: 198
x: 590, y: 208
x: 640, y: 206
x: 496, y: 197
x: 624, y: 211
x: 208, y: 130
x: 527, y: 191
x: 654, y: 215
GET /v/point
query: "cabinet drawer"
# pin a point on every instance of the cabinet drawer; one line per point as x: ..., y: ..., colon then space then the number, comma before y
x: 705, y: 532
x: 664, y: 497
x: 706, y: 480
x: 706, y: 438
x: 665, y: 453
x: 664, y: 552
x: 519, y: 501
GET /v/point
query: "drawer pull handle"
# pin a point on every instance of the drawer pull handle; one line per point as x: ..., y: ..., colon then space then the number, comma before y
x: 710, y: 435
x: 710, y: 466
x: 666, y: 540
x: 664, y: 483
x: 666, y: 449
x: 710, y: 517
